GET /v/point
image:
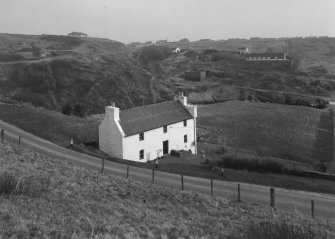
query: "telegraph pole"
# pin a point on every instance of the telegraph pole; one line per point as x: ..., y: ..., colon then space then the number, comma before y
x: 236, y: 149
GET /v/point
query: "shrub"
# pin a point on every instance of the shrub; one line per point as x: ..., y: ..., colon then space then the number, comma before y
x: 251, y: 164
x: 153, y: 53
x: 32, y: 185
x: 284, y: 228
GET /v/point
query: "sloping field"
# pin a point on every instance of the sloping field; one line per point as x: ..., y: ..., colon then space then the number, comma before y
x: 291, y: 132
x: 50, y: 125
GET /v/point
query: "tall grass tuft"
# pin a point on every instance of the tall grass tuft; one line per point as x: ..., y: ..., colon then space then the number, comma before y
x: 284, y: 228
x: 31, y: 185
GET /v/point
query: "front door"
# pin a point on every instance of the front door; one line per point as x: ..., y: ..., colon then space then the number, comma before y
x: 166, y: 147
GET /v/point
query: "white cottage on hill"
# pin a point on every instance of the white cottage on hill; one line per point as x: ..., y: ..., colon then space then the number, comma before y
x: 147, y: 132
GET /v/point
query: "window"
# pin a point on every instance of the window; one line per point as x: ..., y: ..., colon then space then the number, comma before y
x: 142, y: 154
x: 185, y: 138
x: 185, y: 123
x: 141, y: 136
x: 165, y: 129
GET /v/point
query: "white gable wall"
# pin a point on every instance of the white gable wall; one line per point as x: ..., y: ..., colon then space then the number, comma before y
x: 110, y: 137
x: 153, y: 141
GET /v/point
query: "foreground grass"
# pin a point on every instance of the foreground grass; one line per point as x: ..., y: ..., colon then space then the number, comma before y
x: 78, y: 203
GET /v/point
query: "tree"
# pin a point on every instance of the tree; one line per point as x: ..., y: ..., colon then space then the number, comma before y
x: 67, y: 109
x: 184, y: 40
x: 78, y: 110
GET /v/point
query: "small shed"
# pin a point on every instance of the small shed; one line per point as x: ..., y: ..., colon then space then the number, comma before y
x: 195, y: 75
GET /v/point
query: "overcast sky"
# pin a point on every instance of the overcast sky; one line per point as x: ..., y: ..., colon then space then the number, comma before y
x: 143, y: 20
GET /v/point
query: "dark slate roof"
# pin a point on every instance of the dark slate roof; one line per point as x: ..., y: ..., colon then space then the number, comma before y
x: 267, y: 54
x: 140, y: 119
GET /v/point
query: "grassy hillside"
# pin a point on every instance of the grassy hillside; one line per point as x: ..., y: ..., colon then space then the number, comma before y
x: 51, y: 125
x: 312, y: 72
x: 73, y: 75
x: 81, y: 75
x: 291, y: 132
x: 41, y: 197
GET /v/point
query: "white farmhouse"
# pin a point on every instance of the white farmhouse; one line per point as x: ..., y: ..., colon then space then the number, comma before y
x: 243, y: 50
x: 177, y: 50
x: 77, y: 34
x: 147, y: 132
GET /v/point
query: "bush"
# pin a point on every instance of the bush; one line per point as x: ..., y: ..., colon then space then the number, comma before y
x: 284, y: 228
x: 33, y: 185
x: 153, y: 53
x: 251, y: 164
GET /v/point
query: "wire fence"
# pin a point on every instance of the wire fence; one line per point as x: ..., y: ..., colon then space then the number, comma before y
x: 299, y: 202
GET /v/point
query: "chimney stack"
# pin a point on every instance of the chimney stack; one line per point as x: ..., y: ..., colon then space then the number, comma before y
x: 113, y: 112
x: 181, y: 98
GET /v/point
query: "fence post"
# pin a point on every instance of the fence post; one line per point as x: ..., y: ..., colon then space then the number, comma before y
x: 312, y: 208
x: 2, y: 135
x: 19, y: 143
x: 238, y: 193
x: 211, y: 186
x: 127, y: 170
x: 153, y: 176
x: 182, y: 182
x: 272, y: 197
x: 103, y: 165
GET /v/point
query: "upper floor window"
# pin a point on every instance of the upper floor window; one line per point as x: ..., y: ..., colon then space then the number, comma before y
x: 185, y: 123
x: 185, y: 138
x: 165, y: 129
x: 141, y: 136
x: 141, y: 154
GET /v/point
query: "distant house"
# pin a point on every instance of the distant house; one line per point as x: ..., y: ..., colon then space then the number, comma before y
x: 135, y: 44
x: 147, y: 132
x: 243, y: 50
x: 161, y: 41
x: 195, y: 75
x: 77, y: 34
x: 177, y: 50
x: 266, y: 57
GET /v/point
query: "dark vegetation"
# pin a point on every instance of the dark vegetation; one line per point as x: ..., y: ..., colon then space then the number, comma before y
x: 260, y: 165
x: 282, y: 98
x: 152, y: 53
x: 284, y: 228
x: 31, y: 185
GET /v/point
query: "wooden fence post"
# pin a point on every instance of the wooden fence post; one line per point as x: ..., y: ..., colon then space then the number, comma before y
x: 272, y: 197
x: 19, y: 142
x: 182, y: 182
x: 2, y: 135
x: 211, y: 186
x: 127, y: 170
x: 238, y: 193
x: 153, y: 176
x: 312, y: 208
x: 103, y: 165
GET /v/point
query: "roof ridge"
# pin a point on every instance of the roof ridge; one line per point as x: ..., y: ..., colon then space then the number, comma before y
x: 143, y: 106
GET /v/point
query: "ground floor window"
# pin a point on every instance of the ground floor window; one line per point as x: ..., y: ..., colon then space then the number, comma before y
x: 141, y: 154
x: 185, y: 138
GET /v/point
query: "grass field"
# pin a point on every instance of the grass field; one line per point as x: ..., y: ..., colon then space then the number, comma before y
x: 291, y: 132
x: 50, y: 125
x: 78, y: 203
